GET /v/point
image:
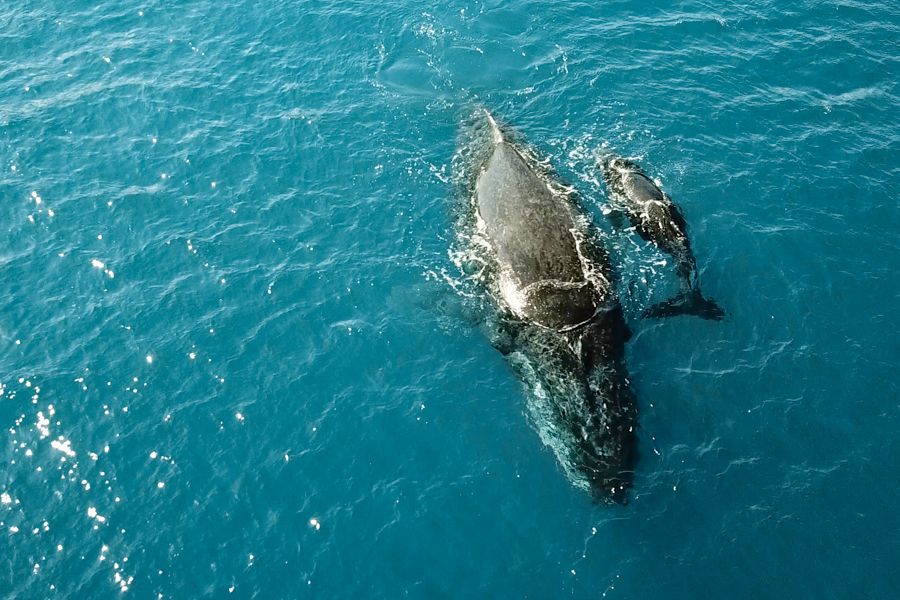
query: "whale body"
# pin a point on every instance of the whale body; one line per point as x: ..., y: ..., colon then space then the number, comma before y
x: 553, y: 286
x: 657, y: 219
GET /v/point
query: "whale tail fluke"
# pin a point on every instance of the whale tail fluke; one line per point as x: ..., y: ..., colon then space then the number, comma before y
x: 690, y: 302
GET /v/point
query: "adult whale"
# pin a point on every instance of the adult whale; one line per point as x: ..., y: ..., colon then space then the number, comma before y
x: 554, y: 288
x: 657, y: 219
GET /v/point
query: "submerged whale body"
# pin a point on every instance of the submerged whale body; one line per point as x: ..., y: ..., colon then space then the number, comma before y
x: 565, y: 324
x: 657, y: 220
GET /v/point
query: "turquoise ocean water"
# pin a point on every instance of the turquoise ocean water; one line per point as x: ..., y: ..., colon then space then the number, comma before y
x: 235, y: 355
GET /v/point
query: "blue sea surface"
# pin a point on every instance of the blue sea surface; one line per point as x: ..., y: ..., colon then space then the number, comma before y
x: 235, y: 360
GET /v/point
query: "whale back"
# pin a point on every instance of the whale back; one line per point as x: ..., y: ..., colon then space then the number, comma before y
x: 533, y: 233
x: 654, y: 216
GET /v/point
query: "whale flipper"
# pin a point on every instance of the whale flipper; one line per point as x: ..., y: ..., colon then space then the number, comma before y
x: 690, y: 302
x: 503, y: 336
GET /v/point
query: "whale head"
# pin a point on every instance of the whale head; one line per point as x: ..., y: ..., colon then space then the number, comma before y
x: 614, y: 168
x: 496, y: 133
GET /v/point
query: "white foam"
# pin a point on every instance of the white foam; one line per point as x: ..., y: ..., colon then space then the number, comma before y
x: 514, y: 296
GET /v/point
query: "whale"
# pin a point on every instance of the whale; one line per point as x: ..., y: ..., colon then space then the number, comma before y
x: 658, y: 220
x: 563, y: 328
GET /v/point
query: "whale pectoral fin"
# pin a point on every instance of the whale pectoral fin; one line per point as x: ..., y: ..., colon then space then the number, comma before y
x: 505, y: 334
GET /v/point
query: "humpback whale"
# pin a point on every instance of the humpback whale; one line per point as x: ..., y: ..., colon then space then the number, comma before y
x: 563, y: 324
x: 657, y: 219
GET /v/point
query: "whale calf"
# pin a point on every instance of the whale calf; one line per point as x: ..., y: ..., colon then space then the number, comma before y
x: 553, y: 286
x: 659, y: 221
